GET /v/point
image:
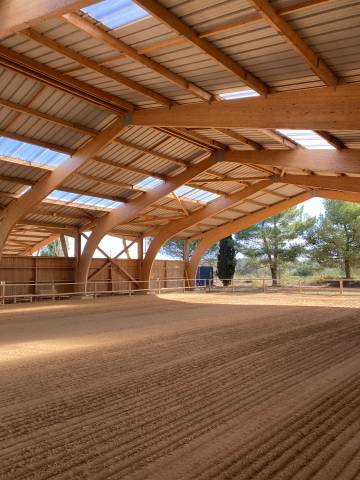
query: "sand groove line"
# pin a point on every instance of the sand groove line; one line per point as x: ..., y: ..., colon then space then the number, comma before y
x: 47, y: 477
x: 221, y: 366
x: 302, y: 441
x: 17, y: 392
x: 254, y: 347
x: 275, y: 437
x: 159, y: 450
x: 95, y: 373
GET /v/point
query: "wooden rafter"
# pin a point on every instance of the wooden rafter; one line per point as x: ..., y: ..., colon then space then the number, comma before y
x: 88, y: 63
x: 127, y: 213
x: 49, y: 76
x: 224, y: 27
x: 21, y: 206
x: 335, y: 142
x: 18, y: 14
x: 315, y: 62
x: 166, y: 16
x: 122, y: 47
x: 41, y: 244
x: 240, y: 138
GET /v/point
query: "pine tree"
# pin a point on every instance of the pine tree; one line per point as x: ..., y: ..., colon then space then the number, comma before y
x: 335, y: 238
x: 226, y: 262
x: 276, y: 240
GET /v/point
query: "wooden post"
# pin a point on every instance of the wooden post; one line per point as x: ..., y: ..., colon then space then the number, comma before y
x: 64, y: 245
x: 3, y: 292
x: 158, y: 285
x: 77, y: 247
x: 300, y: 286
x: 341, y: 286
x: 264, y: 285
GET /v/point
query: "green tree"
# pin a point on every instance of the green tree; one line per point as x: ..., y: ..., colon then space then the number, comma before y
x: 175, y: 249
x: 277, y: 240
x: 335, y: 237
x: 226, y: 261
x: 52, y: 249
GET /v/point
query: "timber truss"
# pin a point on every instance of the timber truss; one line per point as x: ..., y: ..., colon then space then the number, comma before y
x: 132, y: 131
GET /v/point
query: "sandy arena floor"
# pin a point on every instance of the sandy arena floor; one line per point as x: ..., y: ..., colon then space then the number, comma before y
x: 193, y: 387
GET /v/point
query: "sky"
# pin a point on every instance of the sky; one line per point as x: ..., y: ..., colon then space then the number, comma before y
x: 314, y: 206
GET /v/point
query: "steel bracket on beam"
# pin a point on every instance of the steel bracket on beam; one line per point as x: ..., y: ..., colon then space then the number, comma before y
x: 127, y: 119
x: 220, y: 156
x: 276, y: 179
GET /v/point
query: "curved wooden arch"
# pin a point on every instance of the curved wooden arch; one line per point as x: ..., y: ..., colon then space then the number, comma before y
x: 126, y: 213
x: 224, y: 230
x: 21, y: 206
x: 170, y: 230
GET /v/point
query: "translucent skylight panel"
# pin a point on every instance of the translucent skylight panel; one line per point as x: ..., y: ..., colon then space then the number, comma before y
x: 195, y: 194
x: 307, y: 138
x: 238, y: 95
x: 149, y: 183
x: 30, y: 153
x: 83, y: 199
x: 116, y: 13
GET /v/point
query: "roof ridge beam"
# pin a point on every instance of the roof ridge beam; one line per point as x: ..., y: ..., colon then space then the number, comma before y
x: 171, y: 20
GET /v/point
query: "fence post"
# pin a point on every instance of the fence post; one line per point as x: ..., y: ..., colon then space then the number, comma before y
x: 341, y: 286
x: 300, y: 286
x: 184, y: 285
x: 3, y: 292
x: 232, y: 285
x: 264, y: 285
x: 158, y: 286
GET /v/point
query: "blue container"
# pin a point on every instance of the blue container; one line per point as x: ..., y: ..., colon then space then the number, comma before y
x: 204, y: 276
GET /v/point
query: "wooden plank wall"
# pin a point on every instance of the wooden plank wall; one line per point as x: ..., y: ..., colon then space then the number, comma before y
x: 21, y: 269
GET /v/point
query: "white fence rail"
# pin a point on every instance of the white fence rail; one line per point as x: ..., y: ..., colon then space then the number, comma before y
x: 29, y: 291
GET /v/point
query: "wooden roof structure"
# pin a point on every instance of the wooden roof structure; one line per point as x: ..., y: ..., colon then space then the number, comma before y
x: 177, y: 124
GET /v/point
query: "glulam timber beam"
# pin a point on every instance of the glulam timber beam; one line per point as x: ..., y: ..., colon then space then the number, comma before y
x: 346, y: 184
x: 165, y: 15
x: 18, y: 14
x: 132, y: 209
x: 121, y: 47
x: 335, y: 161
x: 240, y: 138
x: 315, y: 62
x: 225, y: 27
x: 342, y: 196
x: 335, y: 142
x: 321, y: 108
x: 89, y: 63
x: 216, y: 234
x: 168, y: 231
x: 49, y: 76
x: 209, y: 238
x: 41, y: 244
x: 18, y: 208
